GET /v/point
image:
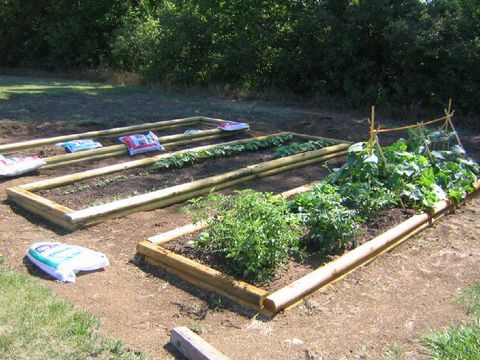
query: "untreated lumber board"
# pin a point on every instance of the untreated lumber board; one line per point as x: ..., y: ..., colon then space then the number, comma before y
x: 85, y: 158
x: 204, y: 285
x: 212, y: 121
x: 38, y: 205
x: 178, y: 232
x: 71, y: 178
x: 313, y: 137
x: 192, y: 346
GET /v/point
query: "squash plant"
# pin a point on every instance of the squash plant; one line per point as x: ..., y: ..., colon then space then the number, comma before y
x: 420, y: 170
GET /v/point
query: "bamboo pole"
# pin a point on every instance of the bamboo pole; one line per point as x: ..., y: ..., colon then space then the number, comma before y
x: 372, y: 126
x: 314, y: 137
x: 71, y: 178
x: 380, y: 131
x: 326, y: 274
x: 9, y: 148
x: 209, y: 182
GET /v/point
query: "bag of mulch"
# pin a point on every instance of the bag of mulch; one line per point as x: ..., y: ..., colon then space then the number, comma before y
x: 63, y: 261
x: 79, y: 145
x: 19, y: 165
x: 233, y: 126
x: 140, y: 143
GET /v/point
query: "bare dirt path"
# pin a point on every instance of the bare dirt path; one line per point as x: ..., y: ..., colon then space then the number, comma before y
x: 388, y: 304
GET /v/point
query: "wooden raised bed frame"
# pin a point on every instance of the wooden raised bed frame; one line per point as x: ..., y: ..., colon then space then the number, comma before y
x: 160, y: 125
x: 25, y: 197
x: 121, y: 149
x: 291, y: 295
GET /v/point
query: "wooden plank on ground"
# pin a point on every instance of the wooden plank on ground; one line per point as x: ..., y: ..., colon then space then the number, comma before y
x: 192, y: 346
x: 49, y: 210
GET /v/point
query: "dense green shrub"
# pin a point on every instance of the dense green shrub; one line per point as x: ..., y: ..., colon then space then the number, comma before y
x: 413, y: 52
x: 58, y: 34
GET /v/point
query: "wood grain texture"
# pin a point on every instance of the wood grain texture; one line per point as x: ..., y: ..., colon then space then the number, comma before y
x: 202, y: 273
x: 192, y: 346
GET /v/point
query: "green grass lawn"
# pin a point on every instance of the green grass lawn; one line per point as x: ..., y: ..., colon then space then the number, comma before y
x: 17, y: 86
x: 459, y: 342
x: 35, y: 324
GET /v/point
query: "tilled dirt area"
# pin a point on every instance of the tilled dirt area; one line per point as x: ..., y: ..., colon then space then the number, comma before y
x: 393, y: 301
x: 132, y: 182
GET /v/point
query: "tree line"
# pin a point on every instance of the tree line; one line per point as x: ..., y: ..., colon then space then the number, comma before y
x: 361, y: 51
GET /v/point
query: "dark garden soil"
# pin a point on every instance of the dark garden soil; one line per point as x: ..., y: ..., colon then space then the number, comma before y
x: 392, y: 302
x: 137, y: 181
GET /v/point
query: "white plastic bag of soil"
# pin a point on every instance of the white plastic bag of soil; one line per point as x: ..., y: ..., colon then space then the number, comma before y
x: 63, y: 261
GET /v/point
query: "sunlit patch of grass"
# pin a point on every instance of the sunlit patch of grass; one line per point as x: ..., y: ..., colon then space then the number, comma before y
x: 459, y: 342
x: 35, y: 324
x: 22, y: 86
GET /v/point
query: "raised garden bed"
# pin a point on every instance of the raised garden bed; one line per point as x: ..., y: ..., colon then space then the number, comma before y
x: 131, y: 182
x: 55, y: 157
x: 68, y: 218
x: 282, y: 293
x: 296, y: 266
x: 252, y: 234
